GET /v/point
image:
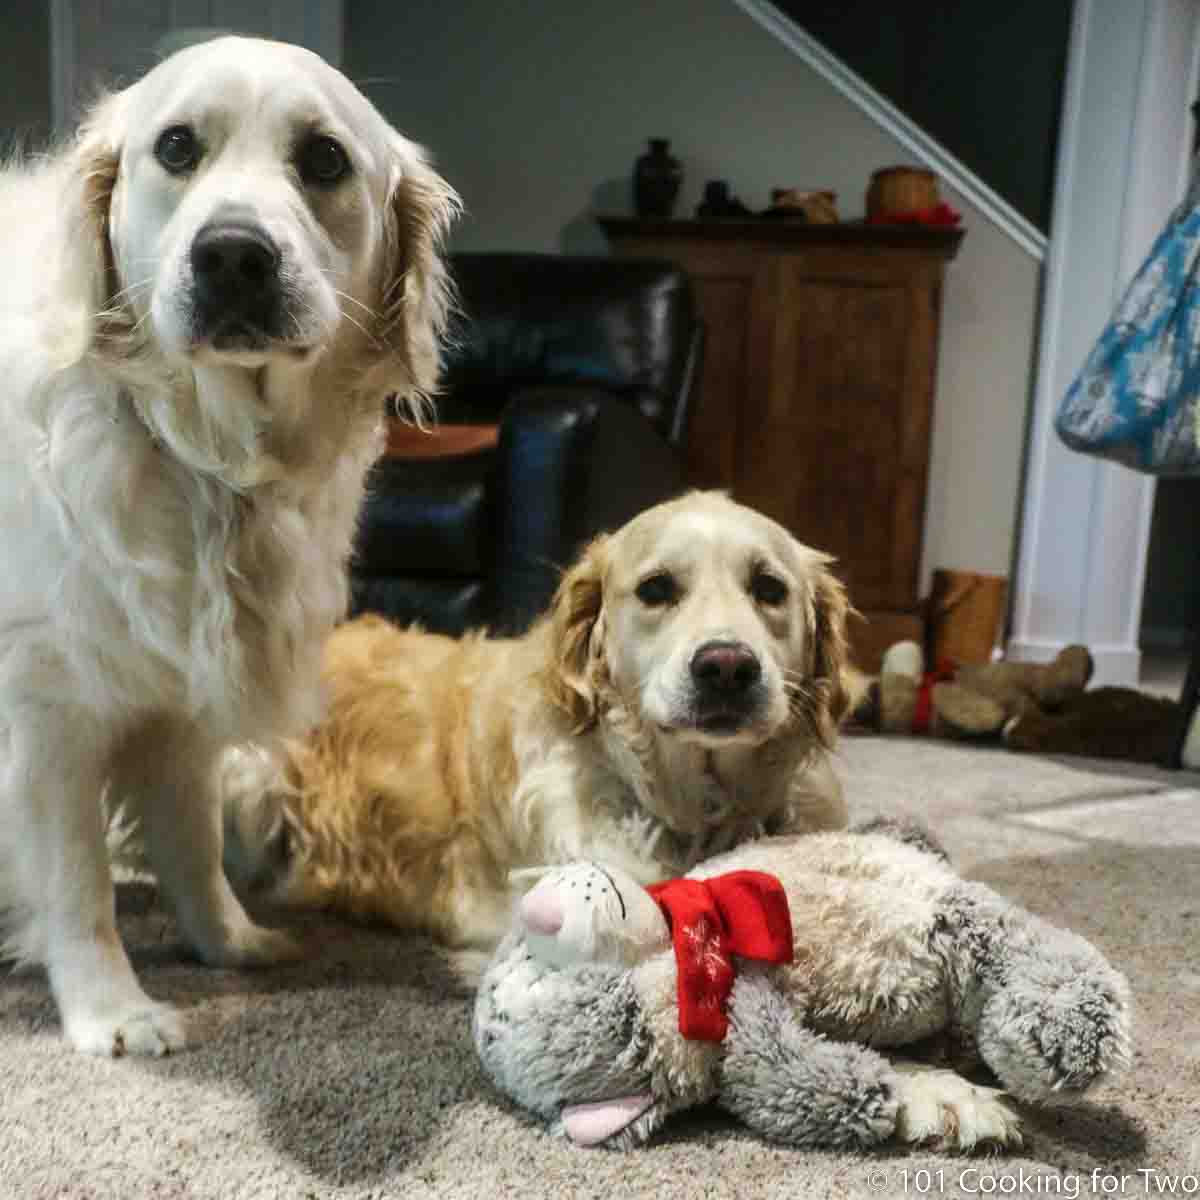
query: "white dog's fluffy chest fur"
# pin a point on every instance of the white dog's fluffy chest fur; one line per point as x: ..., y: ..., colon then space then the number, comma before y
x: 159, y: 586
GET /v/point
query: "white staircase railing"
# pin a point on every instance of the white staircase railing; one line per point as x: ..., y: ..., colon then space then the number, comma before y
x: 885, y: 114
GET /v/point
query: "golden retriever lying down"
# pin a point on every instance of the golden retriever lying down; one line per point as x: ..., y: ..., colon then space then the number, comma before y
x: 680, y: 697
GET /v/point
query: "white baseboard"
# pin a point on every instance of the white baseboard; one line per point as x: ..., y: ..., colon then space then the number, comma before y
x: 1116, y: 666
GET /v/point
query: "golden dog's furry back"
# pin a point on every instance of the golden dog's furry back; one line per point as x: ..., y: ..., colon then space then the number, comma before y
x: 387, y: 810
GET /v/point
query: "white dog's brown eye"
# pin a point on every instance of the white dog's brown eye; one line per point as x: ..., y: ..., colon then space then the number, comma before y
x: 177, y: 149
x: 322, y: 160
x: 767, y: 589
x: 657, y: 590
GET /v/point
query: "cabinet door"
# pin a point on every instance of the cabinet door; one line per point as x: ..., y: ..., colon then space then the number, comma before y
x: 836, y: 445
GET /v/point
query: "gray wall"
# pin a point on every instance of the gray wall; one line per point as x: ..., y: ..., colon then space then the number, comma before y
x: 536, y: 111
x: 25, y: 100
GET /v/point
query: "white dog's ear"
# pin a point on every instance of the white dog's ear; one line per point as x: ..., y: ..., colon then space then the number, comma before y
x: 86, y: 272
x: 577, y: 635
x: 415, y: 292
x: 827, y: 692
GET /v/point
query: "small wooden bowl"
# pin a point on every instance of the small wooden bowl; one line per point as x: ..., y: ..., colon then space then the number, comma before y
x: 901, y: 190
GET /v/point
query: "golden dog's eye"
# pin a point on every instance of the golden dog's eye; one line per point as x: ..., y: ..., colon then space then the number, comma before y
x: 322, y: 160
x: 177, y: 149
x: 657, y: 590
x: 768, y: 589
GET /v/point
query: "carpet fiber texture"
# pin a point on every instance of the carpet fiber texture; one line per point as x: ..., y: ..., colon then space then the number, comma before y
x: 353, y: 1075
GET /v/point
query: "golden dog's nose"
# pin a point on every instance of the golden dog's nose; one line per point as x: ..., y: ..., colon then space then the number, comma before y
x: 726, y: 667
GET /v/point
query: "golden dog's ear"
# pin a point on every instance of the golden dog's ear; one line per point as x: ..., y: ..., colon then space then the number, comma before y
x: 829, y: 679
x: 576, y: 637
x: 414, y: 288
x: 85, y: 272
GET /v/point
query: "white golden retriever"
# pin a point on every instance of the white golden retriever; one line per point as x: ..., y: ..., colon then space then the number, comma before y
x: 205, y: 300
x: 680, y: 698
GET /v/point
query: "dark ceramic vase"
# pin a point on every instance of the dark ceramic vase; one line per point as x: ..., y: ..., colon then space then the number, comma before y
x: 657, y: 175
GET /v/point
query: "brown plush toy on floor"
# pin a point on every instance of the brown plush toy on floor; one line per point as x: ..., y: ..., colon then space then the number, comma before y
x: 969, y: 701
x: 1038, y: 707
x: 1106, y: 722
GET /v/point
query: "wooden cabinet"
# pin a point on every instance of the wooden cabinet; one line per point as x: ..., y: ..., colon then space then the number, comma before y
x: 816, y: 401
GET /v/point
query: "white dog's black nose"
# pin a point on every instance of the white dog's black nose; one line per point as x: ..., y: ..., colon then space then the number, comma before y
x: 726, y: 668
x: 235, y: 268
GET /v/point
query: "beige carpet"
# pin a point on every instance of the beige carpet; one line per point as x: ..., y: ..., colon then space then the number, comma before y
x: 353, y: 1075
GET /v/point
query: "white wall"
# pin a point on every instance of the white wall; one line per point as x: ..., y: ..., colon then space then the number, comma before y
x: 536, y: 111
x: 112, y: 44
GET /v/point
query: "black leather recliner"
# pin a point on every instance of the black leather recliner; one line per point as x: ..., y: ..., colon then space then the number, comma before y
x: 583, y: 370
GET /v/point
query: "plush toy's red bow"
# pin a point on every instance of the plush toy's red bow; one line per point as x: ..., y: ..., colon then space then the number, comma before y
x: 923, y: 713
x: 743, y: 913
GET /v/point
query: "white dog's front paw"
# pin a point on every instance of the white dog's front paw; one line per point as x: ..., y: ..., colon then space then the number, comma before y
x: 942, y: 1108
x: 147, y: 1028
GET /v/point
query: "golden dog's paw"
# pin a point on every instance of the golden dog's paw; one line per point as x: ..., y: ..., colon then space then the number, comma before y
x: 147, y: 1029
x: 941, y: 1108
x: 257, y: 840
x: 266, y: 947
x: 253, y: 945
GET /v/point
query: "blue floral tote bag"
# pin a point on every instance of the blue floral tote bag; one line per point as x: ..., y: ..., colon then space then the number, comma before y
x: 1137, y: 398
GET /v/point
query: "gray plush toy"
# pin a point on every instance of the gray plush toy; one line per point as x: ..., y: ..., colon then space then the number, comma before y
x: 606, y: 1009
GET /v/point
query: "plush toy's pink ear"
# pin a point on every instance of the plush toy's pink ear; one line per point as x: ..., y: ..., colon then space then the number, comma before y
x: 591, y: 1124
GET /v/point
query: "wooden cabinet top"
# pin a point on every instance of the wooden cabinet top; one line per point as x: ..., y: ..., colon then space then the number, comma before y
x: 939, y: 240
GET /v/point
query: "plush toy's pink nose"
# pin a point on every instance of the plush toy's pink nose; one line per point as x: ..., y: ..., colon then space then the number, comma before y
x: 541, y: 911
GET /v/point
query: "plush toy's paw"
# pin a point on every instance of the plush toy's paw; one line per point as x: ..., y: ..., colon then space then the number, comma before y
x: 1065, y: 677
x: 1051, y: 1044
x: 966, y: 713
x: 813, y: 1093
x: 792, y: 1085
x: 1030, y: 731
x: 903, y: 658
x: 942, y: 1109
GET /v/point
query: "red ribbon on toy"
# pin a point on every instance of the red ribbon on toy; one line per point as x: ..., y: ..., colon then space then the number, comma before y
x: 923, y: 713
x: 743, y: 913
x: 938, y: 214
